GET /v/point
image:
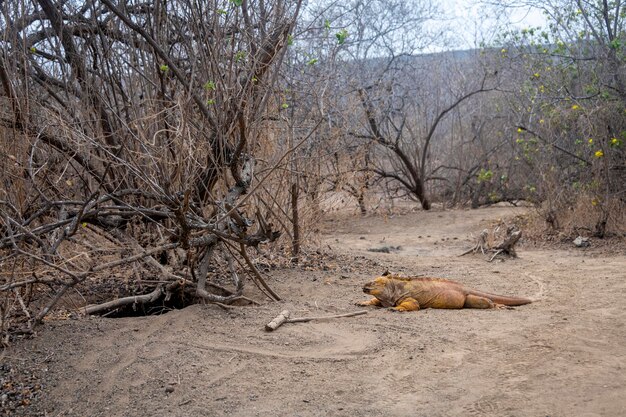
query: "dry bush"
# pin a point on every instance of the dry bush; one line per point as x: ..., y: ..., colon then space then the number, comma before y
x: 567, y: 106
x: 581, y: 215
x: 580, y: 182
x: 132, y: 131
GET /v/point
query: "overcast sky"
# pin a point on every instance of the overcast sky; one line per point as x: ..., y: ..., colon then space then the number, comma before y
x: 473, y: 23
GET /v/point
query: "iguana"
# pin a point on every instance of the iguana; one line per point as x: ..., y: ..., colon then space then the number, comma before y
x: 409, y: 294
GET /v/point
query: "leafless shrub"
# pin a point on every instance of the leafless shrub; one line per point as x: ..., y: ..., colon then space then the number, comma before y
x: 138, y: 123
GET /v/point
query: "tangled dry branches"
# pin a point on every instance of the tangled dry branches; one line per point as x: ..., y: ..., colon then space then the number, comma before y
x: 131, y: 130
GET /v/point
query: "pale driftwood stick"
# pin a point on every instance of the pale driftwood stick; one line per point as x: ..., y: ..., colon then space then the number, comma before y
x: 278, y: 321
x: 336, y: 316
x: 120, y: 302
x: 283, y: 317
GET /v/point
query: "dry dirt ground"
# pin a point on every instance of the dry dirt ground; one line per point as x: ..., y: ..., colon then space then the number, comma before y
x: 564, y: 355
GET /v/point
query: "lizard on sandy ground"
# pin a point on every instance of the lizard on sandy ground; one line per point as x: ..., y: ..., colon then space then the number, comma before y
x: 409, y: 294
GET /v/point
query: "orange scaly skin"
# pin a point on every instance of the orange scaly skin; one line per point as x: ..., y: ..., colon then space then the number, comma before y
x: 410, y: 294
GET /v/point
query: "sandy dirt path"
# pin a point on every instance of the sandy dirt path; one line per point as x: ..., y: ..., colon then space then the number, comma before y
x: 564, y: 355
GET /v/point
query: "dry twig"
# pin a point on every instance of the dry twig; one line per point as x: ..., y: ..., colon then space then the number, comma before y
x: 284, y: 315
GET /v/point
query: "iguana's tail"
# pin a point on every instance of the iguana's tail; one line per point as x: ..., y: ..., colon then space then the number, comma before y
x: 502, y: 299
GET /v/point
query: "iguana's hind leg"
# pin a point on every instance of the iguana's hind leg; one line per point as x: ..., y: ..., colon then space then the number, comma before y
x: 475, y: 301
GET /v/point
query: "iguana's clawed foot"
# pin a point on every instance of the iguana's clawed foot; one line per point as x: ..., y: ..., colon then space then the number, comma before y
x: 370, y: 302
x: 503, y: 307
x: 363, y: 304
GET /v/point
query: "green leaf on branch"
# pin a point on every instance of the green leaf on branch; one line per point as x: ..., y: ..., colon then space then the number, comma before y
x: 341, y: 36
x: 239, y: 56
x: 485, y: 175
x: 616, y: 44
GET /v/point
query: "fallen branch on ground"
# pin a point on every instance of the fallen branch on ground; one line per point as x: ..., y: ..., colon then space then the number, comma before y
x: 283, y: 317
x: 121, y: 302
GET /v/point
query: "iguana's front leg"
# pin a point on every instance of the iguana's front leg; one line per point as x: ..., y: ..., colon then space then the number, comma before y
x: 373, y: 302
x: 407, y: 304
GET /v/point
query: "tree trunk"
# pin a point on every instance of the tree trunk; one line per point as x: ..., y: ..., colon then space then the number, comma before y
x: 361, y: 200
x: 295, y: 244
x: 420, y: 193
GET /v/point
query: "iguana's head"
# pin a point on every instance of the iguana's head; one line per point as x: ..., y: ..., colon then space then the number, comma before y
x: 376, y: 286
x: 388, y: 289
